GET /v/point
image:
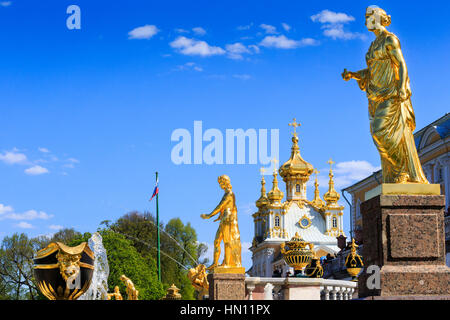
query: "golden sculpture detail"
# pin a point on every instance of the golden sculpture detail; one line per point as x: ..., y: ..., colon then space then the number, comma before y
x: 391, y: 114
x: 172, y: 293
x: 199, y: 280
x: 297, y: 255
x: 228, y: 232
x: 132, y: 293
x: 116, y: 294
x: 63, y: 272
x: 353, y: 262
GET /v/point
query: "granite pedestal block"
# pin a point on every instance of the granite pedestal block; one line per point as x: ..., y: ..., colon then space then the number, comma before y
x: 404, y: 236
x: 226, y: 286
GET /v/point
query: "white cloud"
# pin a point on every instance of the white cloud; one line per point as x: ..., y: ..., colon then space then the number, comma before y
x: 43, y: 150
x: 268, y: 28
x: 144, y: 32
x: 24, y: 225
x: 8, y: 212
x: 338, y: 32
x: 286, y: 26
x: 36, y: 170
x: 236, y: 50
x: 73, y: 160
x: 199, y: 31
x: 327, y: 16
x: 5, y: 3
x: 189, y: 66
x: 194, y: 47
x: 27, y: 215
x: 13, y: 157
x: 5, y: 209
x: 282, y: 42
x: 333, y: 25
x: 346, y: 173
x: 55, y: 227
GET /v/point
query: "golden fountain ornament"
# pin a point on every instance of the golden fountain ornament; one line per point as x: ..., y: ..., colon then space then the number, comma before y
x: 63, y: 272
x: 297, y: 255
x: 228, y: 232
x: 354, y: 262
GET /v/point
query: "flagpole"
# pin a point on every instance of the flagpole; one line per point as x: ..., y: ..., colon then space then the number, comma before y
x: 158, y: 239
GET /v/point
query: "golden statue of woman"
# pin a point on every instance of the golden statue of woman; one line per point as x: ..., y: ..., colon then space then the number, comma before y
x: 391, y: 115
x: 228, y: 231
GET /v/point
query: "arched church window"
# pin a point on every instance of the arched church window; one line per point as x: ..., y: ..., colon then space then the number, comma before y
x: 334, y: 222
x: 297, y: 188
x: 277, y: 221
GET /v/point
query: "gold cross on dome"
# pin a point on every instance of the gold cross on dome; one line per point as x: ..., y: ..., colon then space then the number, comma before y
x: 330, y: 162
x: 262, y: 170
x: 274, y: 161
x: 316, y: 172
x: 294, y: 124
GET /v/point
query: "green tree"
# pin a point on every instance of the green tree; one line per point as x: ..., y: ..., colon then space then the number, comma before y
x: 16, y: 268
x: 183, y: 247
x: 180, y: 249
x: 123, y: 258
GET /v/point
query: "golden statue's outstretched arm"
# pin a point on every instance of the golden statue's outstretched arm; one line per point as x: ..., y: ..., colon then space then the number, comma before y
x: 220, y: 207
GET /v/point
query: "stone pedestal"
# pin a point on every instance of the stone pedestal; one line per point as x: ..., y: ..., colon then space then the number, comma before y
x: 404, y: 236
x: 226, y: 286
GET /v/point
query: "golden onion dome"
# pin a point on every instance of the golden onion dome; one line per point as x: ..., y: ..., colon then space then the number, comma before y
x: 275, y: 195
x: 295, y: 165
x: 331, y: 196
x: 263, y: 200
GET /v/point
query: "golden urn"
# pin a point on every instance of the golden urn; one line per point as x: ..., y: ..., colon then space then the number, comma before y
x: 63, y: 272
x: 297, y: 255
x: 354, y: 262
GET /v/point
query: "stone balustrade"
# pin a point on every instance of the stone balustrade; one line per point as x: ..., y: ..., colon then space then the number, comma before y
x: 298, y: 289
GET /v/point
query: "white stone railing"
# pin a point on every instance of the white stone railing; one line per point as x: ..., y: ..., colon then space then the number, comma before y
x: 298, y: 289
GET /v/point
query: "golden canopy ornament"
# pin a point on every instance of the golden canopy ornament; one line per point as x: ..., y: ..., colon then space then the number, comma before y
x: 391, y: 114
x: 228, y: 232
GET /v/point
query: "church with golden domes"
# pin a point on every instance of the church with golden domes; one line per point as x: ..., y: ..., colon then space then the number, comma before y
x: 316, y: 221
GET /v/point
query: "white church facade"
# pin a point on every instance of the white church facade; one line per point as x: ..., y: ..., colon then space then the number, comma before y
x: 276, y: 221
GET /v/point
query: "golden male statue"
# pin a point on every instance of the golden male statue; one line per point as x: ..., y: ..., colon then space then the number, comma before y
x: 132, y: 293
x: 391, y: 114
x: 228, y: 231
x: 199, y: 280
x: 116, y: 294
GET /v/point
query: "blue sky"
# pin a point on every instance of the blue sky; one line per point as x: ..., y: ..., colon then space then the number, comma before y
x: 87, y: 115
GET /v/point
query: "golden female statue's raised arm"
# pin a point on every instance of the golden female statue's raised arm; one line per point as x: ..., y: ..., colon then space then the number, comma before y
x: 391, y: 115
x: 228, y: 231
